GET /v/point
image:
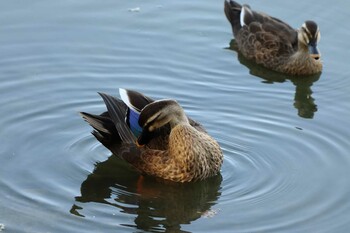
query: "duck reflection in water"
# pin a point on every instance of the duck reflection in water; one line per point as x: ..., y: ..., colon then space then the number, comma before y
x: 303, y: 100
x: 156, y: 205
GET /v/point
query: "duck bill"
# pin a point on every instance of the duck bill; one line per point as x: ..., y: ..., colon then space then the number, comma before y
x: 313, y: 51
x: 144, y: 138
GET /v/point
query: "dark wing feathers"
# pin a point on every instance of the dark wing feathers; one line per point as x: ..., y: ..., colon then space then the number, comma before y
x: 138, y: 100
x: 98, y: 122
x: 277, y: 27
x: 233, y: 11
x: 264, y: 39
x: 116, y: 109
x: 104, y: 129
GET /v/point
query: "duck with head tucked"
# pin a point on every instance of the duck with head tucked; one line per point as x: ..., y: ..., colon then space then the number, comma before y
x: 273, y: 43
x: 159, y: 138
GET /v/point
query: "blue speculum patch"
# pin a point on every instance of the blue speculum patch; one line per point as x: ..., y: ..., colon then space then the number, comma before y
x: 133, y: 121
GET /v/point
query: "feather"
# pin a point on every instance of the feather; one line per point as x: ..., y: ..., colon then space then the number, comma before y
x: 115, y: 110
x: 273, y: 43
x: 135, y: 102
x: 246, y: 16
x: 99, y: 123
x: 132, y: 119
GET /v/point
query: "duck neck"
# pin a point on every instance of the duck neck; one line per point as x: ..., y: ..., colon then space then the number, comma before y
x: 303, y: 60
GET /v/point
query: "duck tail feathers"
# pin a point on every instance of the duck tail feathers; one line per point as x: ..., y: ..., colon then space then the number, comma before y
x: 104, y: 129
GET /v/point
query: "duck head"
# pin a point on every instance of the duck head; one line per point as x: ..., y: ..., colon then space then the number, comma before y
x: 157, y: 114
x: 309, y: 35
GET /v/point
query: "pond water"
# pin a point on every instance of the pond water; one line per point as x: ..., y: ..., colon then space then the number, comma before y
x: 285, y: 140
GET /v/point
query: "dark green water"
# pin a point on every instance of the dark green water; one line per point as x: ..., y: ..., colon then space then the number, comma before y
x: 285, y: 141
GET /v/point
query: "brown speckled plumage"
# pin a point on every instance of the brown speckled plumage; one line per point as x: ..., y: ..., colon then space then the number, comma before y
x: 174, y: 147
x: 191, y: 155
x: 274, y: 44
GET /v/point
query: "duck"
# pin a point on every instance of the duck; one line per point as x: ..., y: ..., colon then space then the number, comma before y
x: 274, y: 44
x: 156, y: 137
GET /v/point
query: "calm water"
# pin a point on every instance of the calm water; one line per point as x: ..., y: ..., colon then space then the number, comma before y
x: 285, y: 141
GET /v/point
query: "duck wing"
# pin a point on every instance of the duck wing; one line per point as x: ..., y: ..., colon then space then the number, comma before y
x: 257, y: 22
x: 135, y: 102
x: 116, y: 111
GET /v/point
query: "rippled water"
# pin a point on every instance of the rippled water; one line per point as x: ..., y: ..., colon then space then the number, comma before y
x: 285, y: 140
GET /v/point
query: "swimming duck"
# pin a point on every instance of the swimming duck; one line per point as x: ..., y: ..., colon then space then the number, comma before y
x: 273, y: 43
x: 157, y: 137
